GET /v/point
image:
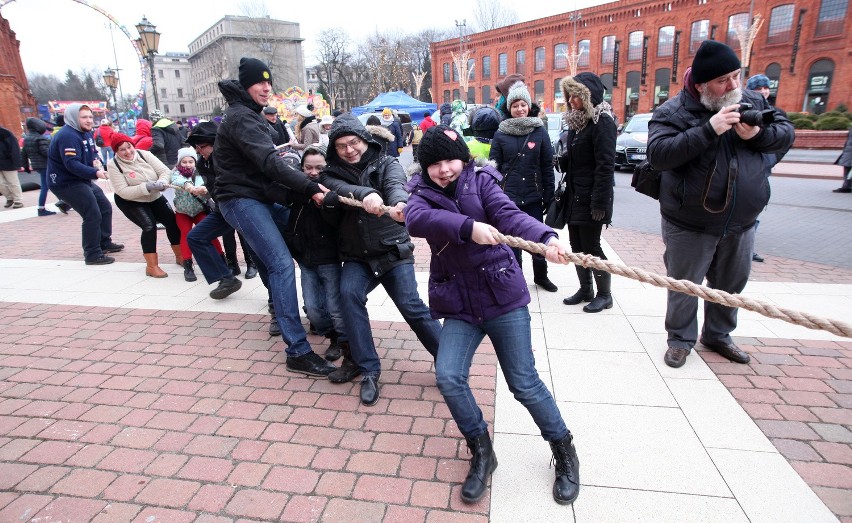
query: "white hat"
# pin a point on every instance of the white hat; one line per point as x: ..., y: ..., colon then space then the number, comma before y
x: 327, y: 120
x: 304, y: 111
x: 186, y: 151
x: 104, y: 121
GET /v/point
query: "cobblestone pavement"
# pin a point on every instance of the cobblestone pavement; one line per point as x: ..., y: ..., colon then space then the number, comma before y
x: 114, y: 414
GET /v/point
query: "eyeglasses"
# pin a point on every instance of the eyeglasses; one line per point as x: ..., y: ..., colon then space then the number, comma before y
x: 353, y: 143
x: 200, y: 146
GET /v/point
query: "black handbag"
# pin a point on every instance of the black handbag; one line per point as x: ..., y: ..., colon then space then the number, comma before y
x: 646, y: 180
x: 555, y: 213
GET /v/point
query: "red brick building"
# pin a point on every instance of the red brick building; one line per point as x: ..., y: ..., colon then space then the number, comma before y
x: 16, y: 100
x: 641, y: 50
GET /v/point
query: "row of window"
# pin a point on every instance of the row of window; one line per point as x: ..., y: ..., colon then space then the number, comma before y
x: 161, y: 74
x: 163, y: 92
x: 831, y: 16
x: 182, y: 109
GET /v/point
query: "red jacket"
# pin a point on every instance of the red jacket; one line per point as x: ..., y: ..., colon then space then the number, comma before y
x: 142, y: 139
x: 427, y: 123
x: 105, y: 132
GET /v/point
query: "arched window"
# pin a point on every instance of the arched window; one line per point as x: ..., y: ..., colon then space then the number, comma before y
x: 736, y: 22
x: 700, y: 32
x: 819, y: 86
x: 583, y: 47
x: 665, y: 41
x: 780, y: 24
x: 773, y: 72
x: 831, y: 16
x: 539, y: 59
x: 634, y: 45
x: 560, y: 56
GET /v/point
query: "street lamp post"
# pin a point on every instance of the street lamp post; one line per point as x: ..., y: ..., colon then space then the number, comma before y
x: 149, y: 41
x: 111, y: 81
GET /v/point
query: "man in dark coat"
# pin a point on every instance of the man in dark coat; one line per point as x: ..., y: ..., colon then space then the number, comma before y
x: 166, y: 139
x: 713, y: 187
x: 34, y: 157
x: 250, y: 177
x: 10, y: 162
x: 374, y: 246
x: 281, y: 134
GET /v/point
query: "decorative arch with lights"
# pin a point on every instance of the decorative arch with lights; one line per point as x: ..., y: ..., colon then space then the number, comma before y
x: 138, y: 103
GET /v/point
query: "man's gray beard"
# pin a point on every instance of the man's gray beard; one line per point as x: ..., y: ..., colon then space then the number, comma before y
x: 716, y: 104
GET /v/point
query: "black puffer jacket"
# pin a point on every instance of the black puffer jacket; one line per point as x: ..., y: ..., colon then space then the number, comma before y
x: 247, y: 165
x: 379, y: 241
x: 525, y: 161
x: 683, y: 145
x: 311, y: 239
x: 167, y: 141
x: 36, y: 146
x: 589, y: 158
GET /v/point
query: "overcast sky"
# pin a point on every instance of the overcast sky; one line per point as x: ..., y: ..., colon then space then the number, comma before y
x: 57, y: 35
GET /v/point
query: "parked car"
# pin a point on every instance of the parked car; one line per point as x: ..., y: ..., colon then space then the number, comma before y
x: 632, y: 142
x: 554, y: 126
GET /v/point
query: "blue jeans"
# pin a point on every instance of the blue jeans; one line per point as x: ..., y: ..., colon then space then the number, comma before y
x: 42, y: 194
x: 321, y: 294
x: 212, y: 265
x: 357, y: 281
x: 96, y: 210
x: 106, y: 154
x: 258, y: 223
x: 510, y: 334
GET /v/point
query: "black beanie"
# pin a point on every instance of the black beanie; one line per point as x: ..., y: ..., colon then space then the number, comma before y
x: 441, y: 143
x: 253, y: 71
x: 712, y: 60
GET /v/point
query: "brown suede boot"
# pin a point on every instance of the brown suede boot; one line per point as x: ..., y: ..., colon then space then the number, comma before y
x: 152, y: 266
x: 178, y: 257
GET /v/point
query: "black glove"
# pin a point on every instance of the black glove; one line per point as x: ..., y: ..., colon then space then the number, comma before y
x: 598, y: 214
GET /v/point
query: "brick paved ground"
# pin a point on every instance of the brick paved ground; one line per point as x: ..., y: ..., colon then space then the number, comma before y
x: 799, y: 392
x: 135, y: 415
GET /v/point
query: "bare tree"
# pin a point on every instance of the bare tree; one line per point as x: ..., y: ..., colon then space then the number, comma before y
x: 261, y: 29
x: 334, y: 57
x: 491, y: 14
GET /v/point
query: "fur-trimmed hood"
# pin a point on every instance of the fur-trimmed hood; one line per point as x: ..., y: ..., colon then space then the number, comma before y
x: 380, y: 132
x: 589, y: 88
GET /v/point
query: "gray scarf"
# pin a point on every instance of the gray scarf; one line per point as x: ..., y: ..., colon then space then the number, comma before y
x: 520, y: 126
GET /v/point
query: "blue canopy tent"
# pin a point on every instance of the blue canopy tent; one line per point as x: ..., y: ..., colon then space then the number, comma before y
x: 397, y: 100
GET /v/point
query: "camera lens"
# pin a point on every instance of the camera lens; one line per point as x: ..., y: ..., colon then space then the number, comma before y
x: 751, y: 117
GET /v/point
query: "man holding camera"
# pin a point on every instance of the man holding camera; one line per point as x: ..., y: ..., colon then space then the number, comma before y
x: 708, y: 142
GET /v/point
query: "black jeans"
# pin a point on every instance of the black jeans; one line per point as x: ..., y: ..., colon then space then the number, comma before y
x: 146, y: 215
x: 586, y: 238
x: 96, y: 210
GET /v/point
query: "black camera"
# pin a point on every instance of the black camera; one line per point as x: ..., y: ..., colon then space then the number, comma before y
x: 751, y: 116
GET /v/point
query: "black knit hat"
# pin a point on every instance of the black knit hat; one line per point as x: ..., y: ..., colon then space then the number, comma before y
x: 253, y: 71
x: 441, y: 143
x: 203, y: 132
x: 712, y: 60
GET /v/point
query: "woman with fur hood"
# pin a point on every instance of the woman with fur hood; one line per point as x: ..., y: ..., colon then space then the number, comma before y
x: 381, y: 134
x: 307, y: 129
x: 588, y: 164
x: 522, y: 152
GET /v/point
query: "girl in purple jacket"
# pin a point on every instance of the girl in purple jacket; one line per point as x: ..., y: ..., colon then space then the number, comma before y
x: 476, y: 285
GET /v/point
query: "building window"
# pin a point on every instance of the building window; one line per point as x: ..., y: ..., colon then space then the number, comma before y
x: 471, y: 69
x: 160, y: 73
x: 456, y: 94
x: 455, y: 73
x: 180, y: 92
x: 831, y: 16
x: 665, y: 41
x: 608, y: 49
x: 182, y: 109
x: 538, y: 89
x: 163, y: 92
x: 780, y: 24
x: 471, y: 95
x: 520, y: 61
x: 634, y: 45
x: 486, y: 68
x: 486, y: 94
x: 558, y: 95
x: 166, y: 109
x: 446, y: 72
x: 539, y: 59
x: 447, y: 96
x: 560, y: 56
x: 700, y: 32
x: 737, y: 24
x: 502, y: 64
x: 177, y: 73
x: 583, y: 49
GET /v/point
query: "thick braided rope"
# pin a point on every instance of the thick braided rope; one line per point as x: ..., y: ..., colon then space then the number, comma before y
x: 684, y: 286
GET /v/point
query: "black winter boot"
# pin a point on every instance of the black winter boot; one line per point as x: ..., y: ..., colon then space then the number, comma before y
x: 540, y: 276
x: 604, y: 298
x: 188, y: 272
x: 348, y: 370
x: 274, y: 328
x: 233, y: 265
x: 333, y: 352
x: 566, y: 487
x: 483, y: 461
x: 586, y: 292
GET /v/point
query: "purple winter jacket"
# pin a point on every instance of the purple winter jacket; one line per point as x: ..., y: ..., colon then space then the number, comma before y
x: 469, y: 281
